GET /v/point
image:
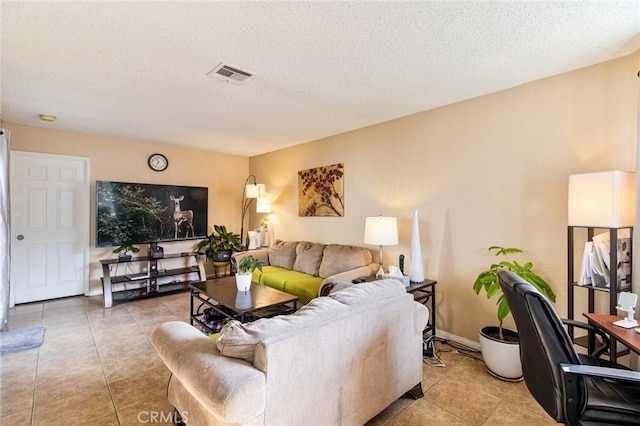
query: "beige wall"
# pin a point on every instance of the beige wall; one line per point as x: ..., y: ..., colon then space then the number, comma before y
x: 126, y: 161
x: 489, y: 171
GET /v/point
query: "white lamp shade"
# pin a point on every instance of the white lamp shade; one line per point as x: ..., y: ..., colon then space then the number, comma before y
x: 602, y: 199
x: 255, y: 190
x: 263, y: 204
x: 381, y: 231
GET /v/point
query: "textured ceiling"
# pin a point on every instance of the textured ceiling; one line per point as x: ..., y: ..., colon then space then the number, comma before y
x: 139, y: 69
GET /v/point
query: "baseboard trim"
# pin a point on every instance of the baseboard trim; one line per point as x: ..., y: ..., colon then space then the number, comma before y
x: 454, y: 338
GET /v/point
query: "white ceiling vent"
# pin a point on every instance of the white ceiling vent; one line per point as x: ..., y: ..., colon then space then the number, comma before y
x: 229, y: 74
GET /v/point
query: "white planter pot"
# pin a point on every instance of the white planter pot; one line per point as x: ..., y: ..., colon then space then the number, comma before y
x: 501, y: 358
x: 243, y: 281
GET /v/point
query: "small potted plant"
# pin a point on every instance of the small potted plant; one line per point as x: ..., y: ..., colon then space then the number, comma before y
x: 219, y: 245
x: 500, y: 346
x: 123, y: 252
x: 246, y: 266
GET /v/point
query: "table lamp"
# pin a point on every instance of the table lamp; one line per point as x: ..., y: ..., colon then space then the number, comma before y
x: 381, y: 231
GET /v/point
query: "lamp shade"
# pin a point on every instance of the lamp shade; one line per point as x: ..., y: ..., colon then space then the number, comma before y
x: 255, y: 190
x: 381, y: 231
x: 602, y: 199
x: 263, y: 204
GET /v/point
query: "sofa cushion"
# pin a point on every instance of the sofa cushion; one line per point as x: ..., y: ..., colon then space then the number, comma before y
x: 308, y: 257
x: 238, y: 340
x: 283, y: 253
x: 278, y: 280
x: 299, y: 284
x: 305, y: 288
x: 258, y: 276
x: 339, y: 258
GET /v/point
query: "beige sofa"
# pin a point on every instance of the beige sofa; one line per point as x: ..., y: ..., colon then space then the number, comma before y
x: 339, y: 360
x: 307, y: 269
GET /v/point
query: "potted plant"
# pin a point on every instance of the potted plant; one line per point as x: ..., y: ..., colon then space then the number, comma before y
x: 500, y: 346
x: 123, y: 252
x: 219, y: 245
x: 246, y: 266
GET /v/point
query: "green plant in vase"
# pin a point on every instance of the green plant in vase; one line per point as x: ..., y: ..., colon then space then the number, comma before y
x: 499, y: 346
x: 219, y: 245
x: 246, y: 266
x: 488, y: 280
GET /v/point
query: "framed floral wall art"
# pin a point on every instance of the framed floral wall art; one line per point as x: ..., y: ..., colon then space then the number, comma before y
x: 321, y: 191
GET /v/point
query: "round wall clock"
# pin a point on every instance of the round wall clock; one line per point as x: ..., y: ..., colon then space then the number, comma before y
x: 158, y: 162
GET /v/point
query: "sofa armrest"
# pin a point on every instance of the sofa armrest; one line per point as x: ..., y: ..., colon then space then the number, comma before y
x: 231, y: 388
x: 340, y: 281
x: 261, y: 254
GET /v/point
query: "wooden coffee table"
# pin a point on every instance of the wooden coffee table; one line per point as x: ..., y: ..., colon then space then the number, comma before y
x: 222, y: 295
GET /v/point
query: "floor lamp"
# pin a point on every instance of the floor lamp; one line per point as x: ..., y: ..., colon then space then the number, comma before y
x: 250, y: 192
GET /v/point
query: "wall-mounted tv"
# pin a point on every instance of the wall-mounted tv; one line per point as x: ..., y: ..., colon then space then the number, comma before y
x: 139, y: 213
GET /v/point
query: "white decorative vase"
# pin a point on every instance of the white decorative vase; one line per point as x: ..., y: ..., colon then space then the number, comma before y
x: 243, y: 281
x: 253, y: 240
x: 501, y: 358
x: 416, y: 274
x: 264, y: 237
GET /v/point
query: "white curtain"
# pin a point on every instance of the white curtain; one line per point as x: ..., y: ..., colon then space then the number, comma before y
x: 5, y: 258
x: 635, y: 250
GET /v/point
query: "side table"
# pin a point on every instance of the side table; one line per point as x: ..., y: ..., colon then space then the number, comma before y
x: 423, y: 293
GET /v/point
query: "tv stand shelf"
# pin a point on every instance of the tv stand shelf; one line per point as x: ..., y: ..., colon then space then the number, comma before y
x: 148, y: 282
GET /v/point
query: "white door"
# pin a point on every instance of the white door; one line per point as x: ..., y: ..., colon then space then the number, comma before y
x: 49, y: 226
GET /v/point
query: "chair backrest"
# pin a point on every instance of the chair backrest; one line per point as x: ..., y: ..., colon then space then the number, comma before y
x: 544, y: 343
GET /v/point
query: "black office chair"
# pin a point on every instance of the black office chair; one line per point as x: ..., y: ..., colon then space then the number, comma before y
x: 573, y: 389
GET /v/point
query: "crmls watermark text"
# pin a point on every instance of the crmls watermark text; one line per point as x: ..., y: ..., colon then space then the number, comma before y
x: 161, y: 417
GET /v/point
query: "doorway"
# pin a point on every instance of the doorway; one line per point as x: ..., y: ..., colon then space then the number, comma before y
x: 49, y: 226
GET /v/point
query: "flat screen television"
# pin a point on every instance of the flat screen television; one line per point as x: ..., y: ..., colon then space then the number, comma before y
x: 140, y: 213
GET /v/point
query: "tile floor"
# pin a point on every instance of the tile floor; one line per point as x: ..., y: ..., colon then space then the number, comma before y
x: 98, y: 367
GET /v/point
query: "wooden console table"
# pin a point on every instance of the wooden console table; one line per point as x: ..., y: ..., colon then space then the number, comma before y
x: 149, y: 283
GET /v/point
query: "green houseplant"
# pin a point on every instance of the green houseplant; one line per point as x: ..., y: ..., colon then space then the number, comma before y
x: 219, y: 245
x: 500, y: 349
x: 123, y: 251
x: 246, y: 266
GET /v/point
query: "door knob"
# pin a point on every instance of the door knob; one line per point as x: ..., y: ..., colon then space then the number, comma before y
x: 20, y: 237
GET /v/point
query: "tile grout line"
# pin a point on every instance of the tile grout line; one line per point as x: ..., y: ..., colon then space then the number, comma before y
x: 104, y: 373
x: 35, y: 379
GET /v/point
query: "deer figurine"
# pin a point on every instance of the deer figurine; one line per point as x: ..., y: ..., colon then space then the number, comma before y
x: 179, y: 217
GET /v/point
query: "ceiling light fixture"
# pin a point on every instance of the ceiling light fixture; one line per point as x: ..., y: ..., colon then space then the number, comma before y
x: 48, y: 118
